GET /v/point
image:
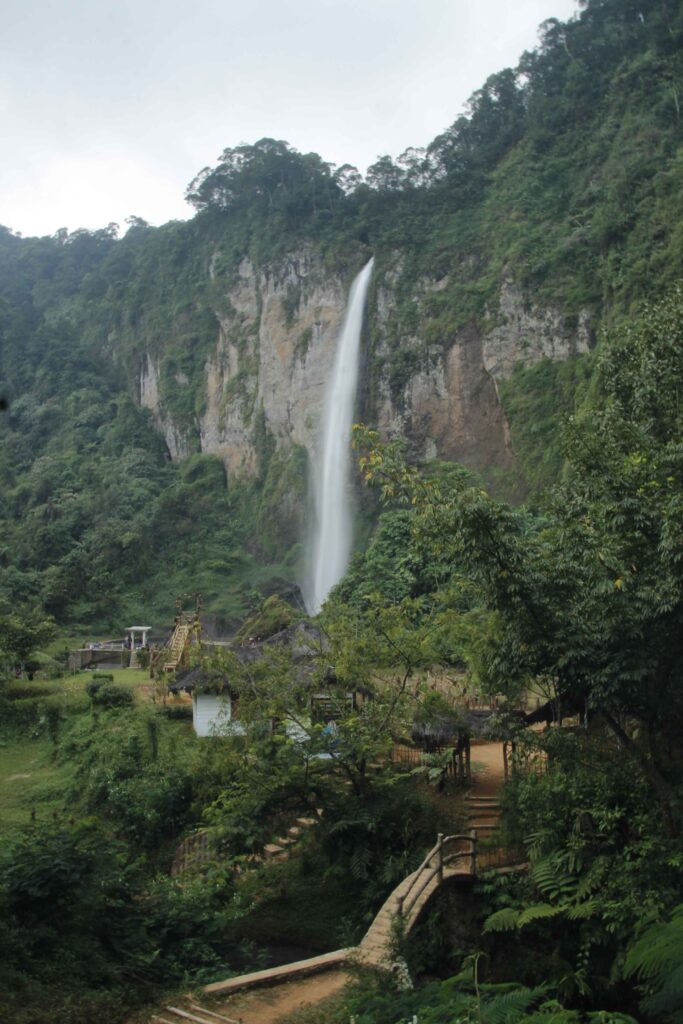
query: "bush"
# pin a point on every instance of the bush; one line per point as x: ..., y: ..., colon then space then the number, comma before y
x: 104, y: 677
x: 131, y: 771
x: 178, y: 712
x: 108, y: 695
x: 72, y: 920
x: 21, y: 715
x: 25, y: 692
x: 143, y: 657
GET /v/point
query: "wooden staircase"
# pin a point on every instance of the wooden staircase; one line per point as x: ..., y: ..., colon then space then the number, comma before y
x: 176, y: 647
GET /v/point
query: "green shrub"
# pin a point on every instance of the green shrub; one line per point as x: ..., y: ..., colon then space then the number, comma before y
x: 108, y: 695
x: 177, y: 712
x: 25, y: 692
x: 129, y: 771
x: 273, y: 615
x: 143, y: 658
x: 21, y: 716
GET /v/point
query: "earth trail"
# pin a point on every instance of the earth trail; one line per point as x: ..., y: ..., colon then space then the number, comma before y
x: 270, y: 1005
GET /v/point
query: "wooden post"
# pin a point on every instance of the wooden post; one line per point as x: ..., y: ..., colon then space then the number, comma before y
x: 473, y: 840
x: 399, y: 905
x: 468, y: 762
x: 439, y: 840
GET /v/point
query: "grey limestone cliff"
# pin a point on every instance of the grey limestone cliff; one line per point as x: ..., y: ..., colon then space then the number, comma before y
x: 277, y: 330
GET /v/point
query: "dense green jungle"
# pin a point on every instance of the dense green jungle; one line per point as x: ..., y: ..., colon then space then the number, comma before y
x: 557, y: 581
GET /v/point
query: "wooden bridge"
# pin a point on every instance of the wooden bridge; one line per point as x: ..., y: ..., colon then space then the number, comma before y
x: 457, y: 858
x: 452, y: 855
x: 460, y: 856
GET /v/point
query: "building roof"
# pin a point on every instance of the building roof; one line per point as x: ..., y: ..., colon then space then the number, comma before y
x: 195, y: 679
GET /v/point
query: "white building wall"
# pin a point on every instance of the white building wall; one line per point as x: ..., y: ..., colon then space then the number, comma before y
x: 212, y: 715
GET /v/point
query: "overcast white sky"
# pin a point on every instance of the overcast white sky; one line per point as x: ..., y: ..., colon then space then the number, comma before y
x: 109, y: 107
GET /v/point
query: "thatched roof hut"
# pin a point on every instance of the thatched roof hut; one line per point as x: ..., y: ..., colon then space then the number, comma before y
x: 456, y: 729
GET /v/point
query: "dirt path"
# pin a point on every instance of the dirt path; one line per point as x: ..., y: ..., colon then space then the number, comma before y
x: 488, y: 770
x: 269, y: 1005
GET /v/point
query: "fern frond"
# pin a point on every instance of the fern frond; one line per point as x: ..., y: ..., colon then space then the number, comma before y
x: 658, y: 950
x: 360, y: 859
x: 502, y: 921
x: 510, y: 1007
x: 553, y: 878
x: 592, y: 881
x: 669, y: 997
x: 552, y: 1012
x: 582, y: 911
x: 539, y: 912
x: 657, y: 958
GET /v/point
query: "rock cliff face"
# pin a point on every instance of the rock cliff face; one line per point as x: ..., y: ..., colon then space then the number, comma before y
x: 267, y: 374
x: 272, y: 359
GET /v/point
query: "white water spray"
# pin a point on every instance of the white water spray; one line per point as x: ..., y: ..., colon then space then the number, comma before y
x: 332, y: 540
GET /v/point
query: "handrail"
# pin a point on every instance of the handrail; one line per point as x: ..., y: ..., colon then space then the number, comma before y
x: 426, y: 871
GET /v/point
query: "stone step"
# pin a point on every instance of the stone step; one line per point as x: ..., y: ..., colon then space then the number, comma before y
x: 285, y: 840
x: 272, y: 849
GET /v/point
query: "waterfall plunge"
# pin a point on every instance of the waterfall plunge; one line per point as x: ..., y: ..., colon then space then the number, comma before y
x: 332, y: 540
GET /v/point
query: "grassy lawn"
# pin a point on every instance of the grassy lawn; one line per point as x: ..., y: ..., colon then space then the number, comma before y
x: 30, y: 780
x: 72, y: 687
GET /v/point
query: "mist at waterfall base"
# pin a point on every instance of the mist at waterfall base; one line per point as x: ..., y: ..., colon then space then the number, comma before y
x: 332, y: 536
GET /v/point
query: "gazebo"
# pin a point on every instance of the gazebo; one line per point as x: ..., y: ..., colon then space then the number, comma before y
x: 137, y: 638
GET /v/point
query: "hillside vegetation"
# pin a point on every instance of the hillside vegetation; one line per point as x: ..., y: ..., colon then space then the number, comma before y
x: 459, y: 598
x: 139, y: 860
x: 564, y: 175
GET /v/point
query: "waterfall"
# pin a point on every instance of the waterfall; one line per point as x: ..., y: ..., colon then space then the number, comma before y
x: 332, y: 538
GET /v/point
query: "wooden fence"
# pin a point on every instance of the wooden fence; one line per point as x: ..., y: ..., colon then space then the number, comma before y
x: 522, y: 761
x: 193, y: 854
x: 407, y: 758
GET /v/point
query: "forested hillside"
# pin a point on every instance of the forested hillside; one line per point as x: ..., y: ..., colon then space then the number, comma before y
x: 502, y: 665
x: 551, y: 207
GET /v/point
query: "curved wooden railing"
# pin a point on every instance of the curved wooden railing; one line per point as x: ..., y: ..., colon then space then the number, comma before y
x: 433, y: 867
